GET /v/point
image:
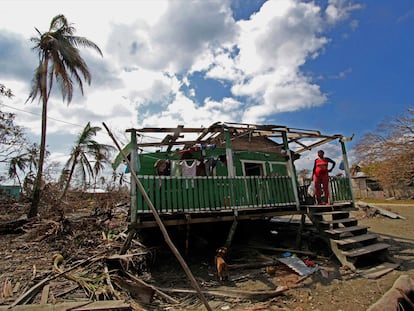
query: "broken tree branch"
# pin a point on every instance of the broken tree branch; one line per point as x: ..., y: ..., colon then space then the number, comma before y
x: 25, y: 297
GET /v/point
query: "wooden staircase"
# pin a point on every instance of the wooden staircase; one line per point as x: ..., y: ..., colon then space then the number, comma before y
x: 352, y: 244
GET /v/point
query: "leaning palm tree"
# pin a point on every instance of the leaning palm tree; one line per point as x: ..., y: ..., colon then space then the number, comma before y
x: 60, y: 61
x: 85, y: 151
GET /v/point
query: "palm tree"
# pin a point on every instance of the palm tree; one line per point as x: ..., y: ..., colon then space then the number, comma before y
x: 21, y: 162
x: 60, y: 61
x: 83, y: 153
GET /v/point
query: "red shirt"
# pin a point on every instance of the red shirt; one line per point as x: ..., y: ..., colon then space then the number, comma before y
x: 321, y: 167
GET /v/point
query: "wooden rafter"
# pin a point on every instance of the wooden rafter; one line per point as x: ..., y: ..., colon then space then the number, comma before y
x: 210, y: 134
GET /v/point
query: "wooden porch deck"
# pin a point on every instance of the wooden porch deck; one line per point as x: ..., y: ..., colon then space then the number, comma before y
x: 146, y: 220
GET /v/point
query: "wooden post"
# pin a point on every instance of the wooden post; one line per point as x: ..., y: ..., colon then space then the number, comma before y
x: 133, y: 190
x: 347, y: 170
x: 229, y: 154
x: 299, y: 233
x: 291, y: 169
x: 232, y: 231
x: 187, y: 236
x: 158, y: 220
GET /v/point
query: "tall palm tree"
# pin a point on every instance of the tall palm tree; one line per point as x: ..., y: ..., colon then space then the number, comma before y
x: 60, y: 61
x: 85, y: 151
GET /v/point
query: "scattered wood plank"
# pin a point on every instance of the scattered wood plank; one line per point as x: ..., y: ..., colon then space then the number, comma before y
x: 231, y: 293
x: 282, y: 250
x: 67, y: 291
x: 74, y: 306
x: 378, y: 271
x: 25, y: 297
x: 253, y: 265
x: 389, y: 214
x: 45, y: 294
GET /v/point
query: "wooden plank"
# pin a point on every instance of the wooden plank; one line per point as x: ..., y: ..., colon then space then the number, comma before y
x: 47, y: 307
x: 104, y: 305
x: 73, y: 306
x: 346, y: 229
x: 45, y: 294
x: 378, y: 271
x: 389, y: 214
x: 356, y: 239
x: 158, y: 188
x: 331, y: 213
x: 174, y: 197
x: 366, y: 250
x: 339, y: 221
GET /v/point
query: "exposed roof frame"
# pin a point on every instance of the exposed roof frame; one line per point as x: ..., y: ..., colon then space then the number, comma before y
x: 306, y: 139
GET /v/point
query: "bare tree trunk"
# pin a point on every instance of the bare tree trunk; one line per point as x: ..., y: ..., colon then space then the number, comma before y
x: 33, y: 211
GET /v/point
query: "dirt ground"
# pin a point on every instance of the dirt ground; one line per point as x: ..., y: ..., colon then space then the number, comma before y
x: 26, y: 258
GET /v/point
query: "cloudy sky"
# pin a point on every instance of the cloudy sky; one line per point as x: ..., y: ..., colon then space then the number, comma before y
x: 337, y: 66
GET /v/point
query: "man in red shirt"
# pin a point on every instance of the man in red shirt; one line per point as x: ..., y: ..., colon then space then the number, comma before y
x: 321, y: 176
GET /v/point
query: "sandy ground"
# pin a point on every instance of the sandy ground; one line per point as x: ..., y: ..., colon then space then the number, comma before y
x: 23, y: 261
x: 333, y: 290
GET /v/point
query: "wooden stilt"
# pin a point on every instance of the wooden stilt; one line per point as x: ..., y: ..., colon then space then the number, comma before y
x: 128, y: 241
x: 299, y: 233
x: 232, y: 231
x: 187, y: 237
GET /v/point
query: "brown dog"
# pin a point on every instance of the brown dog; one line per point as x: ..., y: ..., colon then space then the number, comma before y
x: 221, y: 265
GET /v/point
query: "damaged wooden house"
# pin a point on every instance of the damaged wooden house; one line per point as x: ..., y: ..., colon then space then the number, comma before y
x: 230, y: 172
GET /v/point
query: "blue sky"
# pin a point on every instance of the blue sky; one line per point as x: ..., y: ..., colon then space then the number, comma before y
x: 337, y: 66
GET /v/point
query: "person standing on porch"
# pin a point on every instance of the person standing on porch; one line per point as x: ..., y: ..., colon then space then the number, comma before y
x: 320, y: 176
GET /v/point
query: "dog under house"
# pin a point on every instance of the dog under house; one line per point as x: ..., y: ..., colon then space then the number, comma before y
x: 230, y: 172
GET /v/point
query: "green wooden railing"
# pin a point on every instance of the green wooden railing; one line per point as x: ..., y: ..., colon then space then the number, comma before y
x: 341, y: 189
x: 179, y: 194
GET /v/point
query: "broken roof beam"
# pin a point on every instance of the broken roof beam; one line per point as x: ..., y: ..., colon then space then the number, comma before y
x: 175, y: 143
x: 169, y: 130
x: 214, y: 128
x: 256, y: 126
x: 176, y: 135
x: 319, y: 143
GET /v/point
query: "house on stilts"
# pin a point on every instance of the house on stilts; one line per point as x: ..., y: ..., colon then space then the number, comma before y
x: 230, y: 172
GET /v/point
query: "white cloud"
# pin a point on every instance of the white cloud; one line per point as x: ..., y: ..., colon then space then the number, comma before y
x: 152, y: 47
x: 338, y: 10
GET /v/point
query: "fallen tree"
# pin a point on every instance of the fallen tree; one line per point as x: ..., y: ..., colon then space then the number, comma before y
x: 399, y: 297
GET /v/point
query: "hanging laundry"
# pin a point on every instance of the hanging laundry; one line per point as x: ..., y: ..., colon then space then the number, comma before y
x: 189, y: 170
x: 210, y: 164
x: 162, y: 167
x: 176, y: 168
x: 201, y: 168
